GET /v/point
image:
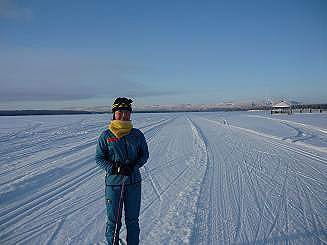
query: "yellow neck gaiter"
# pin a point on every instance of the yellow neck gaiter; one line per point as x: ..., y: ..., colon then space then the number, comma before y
x: 120, y: 128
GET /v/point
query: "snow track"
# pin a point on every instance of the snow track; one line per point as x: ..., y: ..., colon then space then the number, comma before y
x: 270, y: 206
x: 207, y: 181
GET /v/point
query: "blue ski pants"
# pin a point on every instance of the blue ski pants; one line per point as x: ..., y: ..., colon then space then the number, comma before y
x: 131, y: 206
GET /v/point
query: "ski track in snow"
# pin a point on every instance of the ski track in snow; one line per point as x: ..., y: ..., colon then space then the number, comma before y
x: 207, y: 181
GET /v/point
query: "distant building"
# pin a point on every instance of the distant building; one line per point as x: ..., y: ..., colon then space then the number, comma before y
x: 282, y: 107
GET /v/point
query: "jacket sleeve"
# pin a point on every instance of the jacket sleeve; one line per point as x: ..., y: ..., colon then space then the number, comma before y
x: 143, y: 154
x: 101, y: 155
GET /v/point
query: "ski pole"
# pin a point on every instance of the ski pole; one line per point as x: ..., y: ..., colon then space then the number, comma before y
x: 116, y: 233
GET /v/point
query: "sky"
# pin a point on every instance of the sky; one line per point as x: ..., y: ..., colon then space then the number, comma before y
x: 60, y: 54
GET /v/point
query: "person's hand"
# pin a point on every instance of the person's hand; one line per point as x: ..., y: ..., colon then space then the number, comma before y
x: 125, y: 170
x: 115, y: 168
x: 122, y: 169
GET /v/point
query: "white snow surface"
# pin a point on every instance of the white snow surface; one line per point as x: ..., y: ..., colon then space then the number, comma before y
x: 212, y: 178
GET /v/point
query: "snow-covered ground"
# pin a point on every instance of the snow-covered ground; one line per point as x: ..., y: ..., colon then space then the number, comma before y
x: 212, y: 178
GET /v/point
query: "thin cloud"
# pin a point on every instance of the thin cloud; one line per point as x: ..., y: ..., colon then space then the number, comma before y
x: 113, y: 89
x: 31, y: 75
x: 16, y: 96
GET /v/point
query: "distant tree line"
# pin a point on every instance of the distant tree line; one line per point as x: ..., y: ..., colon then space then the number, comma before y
x: 312, y: 106
x: 72, y: 112
x: 42, y: 112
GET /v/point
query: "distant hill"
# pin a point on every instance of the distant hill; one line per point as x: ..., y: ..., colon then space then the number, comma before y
x: 225, y: 106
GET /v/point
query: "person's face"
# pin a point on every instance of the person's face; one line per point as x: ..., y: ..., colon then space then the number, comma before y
x: 123, y: 115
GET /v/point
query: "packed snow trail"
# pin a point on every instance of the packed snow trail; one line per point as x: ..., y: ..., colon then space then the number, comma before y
x: 212, y: 178
x: 261, y: 190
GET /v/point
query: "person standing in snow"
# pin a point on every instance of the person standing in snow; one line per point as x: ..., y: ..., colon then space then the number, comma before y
x: 121, y: 151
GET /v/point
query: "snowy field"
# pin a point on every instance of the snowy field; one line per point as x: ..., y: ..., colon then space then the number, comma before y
x: 212, y: 178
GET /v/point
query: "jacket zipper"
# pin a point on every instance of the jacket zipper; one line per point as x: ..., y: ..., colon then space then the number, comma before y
x: 130, y: 178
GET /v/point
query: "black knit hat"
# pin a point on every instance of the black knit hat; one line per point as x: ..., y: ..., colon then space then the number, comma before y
x: 122, y: 104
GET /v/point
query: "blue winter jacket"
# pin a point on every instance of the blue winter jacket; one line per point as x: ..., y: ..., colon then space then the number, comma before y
x: 111, y: 149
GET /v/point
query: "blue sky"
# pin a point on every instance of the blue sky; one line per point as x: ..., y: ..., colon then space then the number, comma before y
x: 56, y: 54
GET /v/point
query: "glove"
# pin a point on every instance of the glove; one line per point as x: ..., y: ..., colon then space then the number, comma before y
x: 122, y: 169
x: 115, y: 167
